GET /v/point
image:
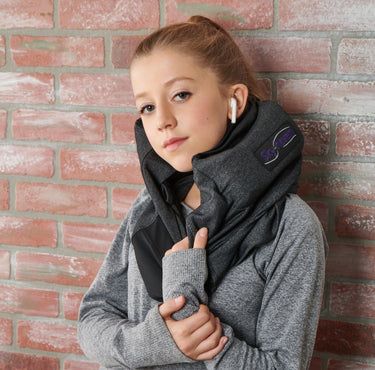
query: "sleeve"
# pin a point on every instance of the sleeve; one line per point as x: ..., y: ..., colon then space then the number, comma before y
x: 290, y: 309
x: 105, y: 333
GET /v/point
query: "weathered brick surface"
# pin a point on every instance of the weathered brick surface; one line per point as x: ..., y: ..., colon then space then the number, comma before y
x: 122, y: 132
x: 16, y: 360
x: 71, y: 302
x: 355, y: 222
x: 122, y: 50
x: 4, y: 194
x: 75, y: 127
x: 2, y: 51
x: 28, y: 88
x: 26, y: 160
x: 351, y: 260
x: 350, y: 299
x: 345, y: 338
x: 28, y: 232
x: 80, y: 365
x: 316, y: 135
x: 57, y: 51
x: 235, y: 14
x: 76, y: 271
x: 33, y: 14
x: 355, y: 139
x: 104, y: 165
x: 287, y: 54
x: 6, y: 334
x: 338, y: 180
x: 356, y: 56
x: 348, y: 365
x: 47, y: 337
x: 4, y: 264
x: 96, y: 90
x: 86, y: 237
x: 122, y: 199
x: 3, y: 123
x: 110, y: 14
x: 62, y: 199
x: 328, y: 97
x: 326, y: 15
x: 33, y: 302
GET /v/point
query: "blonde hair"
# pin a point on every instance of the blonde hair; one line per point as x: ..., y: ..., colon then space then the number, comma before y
x: 210, y: 45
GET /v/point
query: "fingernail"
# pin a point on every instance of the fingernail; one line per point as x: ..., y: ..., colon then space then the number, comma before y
x: 224, y: 340
x: 178, y: 300
x: 203, y: 232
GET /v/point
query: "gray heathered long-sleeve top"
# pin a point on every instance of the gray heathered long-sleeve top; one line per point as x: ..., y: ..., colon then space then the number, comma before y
x: 268, y: 305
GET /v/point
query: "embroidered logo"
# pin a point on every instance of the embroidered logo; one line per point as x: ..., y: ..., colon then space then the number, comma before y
x: 276, y: 147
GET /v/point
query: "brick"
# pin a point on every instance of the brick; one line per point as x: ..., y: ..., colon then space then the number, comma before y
x: 331, y: 97
x: 57, y: 51
x: 236, y: 14
x: 306, y: 55
x: 100, y: 165
x: 109, y: 14
x: 48, y: 337
x: 75, y: 127
x: 56, y: 269
x: 4, y: 264
x: 356, y: 56
x: 3, y: 123
x: 122, y: 50
x: 97, y: 90
x: 32, y: 302
x: 4, y: 194
x: 266, y: 89
x: 80, y: 365
x: 25, y: 160
x: 338, y: 180
x: 18, y: 361
x: 32, y: 14
x: 325, y: 15
x: 351, y: 260
x: 316, y: 135
x: 355, y: 222
x: 321, y: 210
x: 122, y: 132
x: 122, y: 199
x: 62, y: 199
x: 2, y: 51
x: 355, y: 139
x: 28, y: 232
x: 6, y: 334
x: 348, y: 365
x: 86, y: 237
x: 345, y: 338
x: 315, y: 364
x: 349, y: 299
x: 71, y: 303
x: 28, y: 88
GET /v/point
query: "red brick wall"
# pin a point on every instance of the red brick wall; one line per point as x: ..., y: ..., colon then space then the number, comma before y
x: 69, y: 171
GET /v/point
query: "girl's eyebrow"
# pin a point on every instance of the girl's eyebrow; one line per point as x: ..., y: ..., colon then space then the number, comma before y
x: 167, y: 83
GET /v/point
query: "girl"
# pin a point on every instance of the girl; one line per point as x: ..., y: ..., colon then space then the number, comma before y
x: 218, y: 264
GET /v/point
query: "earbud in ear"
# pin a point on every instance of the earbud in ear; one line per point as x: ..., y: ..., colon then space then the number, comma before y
x: 233, y: 104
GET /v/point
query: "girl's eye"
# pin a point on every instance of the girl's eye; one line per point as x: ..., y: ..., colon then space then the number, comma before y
x: 146, y: 109
x: 182, y: 96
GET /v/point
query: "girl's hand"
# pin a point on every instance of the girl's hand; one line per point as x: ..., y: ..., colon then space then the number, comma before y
x: 198, y: 336
x: 200, y: 241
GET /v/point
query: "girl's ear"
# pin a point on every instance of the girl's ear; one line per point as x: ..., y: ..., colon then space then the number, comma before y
x: 240, y: 93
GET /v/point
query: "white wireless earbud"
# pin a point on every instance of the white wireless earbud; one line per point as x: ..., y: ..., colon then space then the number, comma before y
x: 233, y: 104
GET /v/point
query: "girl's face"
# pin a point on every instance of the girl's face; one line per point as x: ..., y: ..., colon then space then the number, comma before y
x: 182, y: 107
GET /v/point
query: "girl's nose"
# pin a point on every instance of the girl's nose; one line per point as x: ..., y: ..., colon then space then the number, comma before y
x: 165, y: 118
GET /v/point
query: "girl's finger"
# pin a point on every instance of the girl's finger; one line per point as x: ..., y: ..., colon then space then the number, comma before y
x: 200, y: 240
